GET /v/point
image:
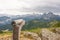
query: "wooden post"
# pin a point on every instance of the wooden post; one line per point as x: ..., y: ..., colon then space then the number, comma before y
x: 17, y: 26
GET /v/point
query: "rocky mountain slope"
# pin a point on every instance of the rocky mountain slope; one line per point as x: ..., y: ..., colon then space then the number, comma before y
x: 44, y: 34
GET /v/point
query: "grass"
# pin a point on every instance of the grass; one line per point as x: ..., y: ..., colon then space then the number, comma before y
x: 36, y: 30
x: 6, y: 33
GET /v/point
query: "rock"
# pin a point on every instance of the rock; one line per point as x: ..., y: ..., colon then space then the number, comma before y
x: 57, y: 30
x: 31, y: 35
x: 48, y: 35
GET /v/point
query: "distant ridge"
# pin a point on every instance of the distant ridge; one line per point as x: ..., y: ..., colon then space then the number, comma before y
x: 7, y: 19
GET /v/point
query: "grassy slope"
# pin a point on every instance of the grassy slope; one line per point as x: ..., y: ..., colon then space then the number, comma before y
x: 5, y: 33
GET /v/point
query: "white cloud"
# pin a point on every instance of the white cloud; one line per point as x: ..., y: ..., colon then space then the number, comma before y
x: 15, y: 6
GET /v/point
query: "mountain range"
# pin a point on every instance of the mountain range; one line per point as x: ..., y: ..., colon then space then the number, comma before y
x: 7, y: 19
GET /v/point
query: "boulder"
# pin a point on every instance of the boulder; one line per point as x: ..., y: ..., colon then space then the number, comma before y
x: 48, y: 35
x: 31, y: 35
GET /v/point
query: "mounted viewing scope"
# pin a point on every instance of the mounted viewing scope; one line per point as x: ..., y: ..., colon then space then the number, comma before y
x: 18, y: 22
x: 17, y: 26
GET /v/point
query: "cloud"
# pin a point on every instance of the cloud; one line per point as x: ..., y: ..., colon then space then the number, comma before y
x: 17, y: 6
x: 44, y: 5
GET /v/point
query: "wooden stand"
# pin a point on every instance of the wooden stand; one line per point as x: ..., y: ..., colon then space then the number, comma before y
x: 17, y: 26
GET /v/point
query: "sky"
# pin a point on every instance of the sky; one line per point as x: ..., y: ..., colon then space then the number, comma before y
x: 21, y: 7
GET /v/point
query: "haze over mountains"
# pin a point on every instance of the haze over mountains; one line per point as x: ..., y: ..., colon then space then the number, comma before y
x: 7, y: 19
